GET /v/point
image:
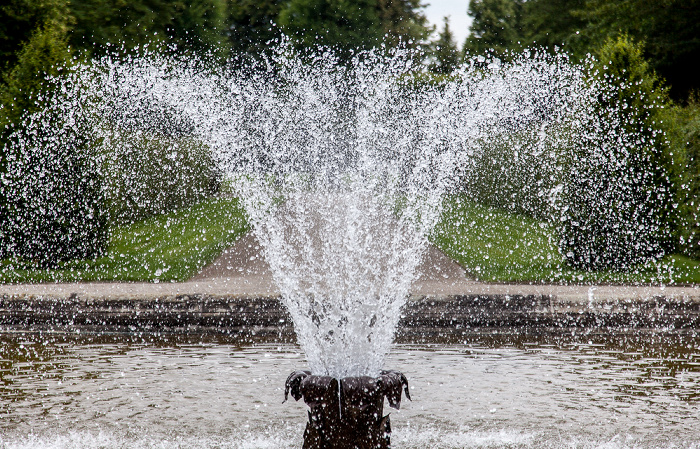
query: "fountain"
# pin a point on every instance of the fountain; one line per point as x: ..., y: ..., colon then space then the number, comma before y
x: 342, y: 168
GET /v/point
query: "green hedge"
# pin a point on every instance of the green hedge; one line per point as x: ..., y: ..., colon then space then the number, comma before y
x: 618, y: 209
x: 147, y: 175
x: 688, y: 121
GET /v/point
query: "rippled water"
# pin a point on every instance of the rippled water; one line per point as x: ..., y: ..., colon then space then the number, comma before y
x: 503, y: 391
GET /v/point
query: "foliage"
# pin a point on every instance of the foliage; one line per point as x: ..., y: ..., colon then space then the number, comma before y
x: 170, y: 247
x: 555, y: 23
x: 689, y: 130
x: 19, y: 20
x: 147, y: 175
x: 253, y: 23
x: 345, y: 25
x: 52, y: 192
x: 496, y: 26
x: 511, y: 171
x: 197, y: 25
x: 63, y: 179
x: 444, y: 52
x: 43, y: 56
x: 618, y: 202
x: 403, y: 23
x: 669, y: 28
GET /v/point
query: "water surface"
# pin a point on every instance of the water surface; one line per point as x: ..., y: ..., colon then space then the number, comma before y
x: 501, y: 391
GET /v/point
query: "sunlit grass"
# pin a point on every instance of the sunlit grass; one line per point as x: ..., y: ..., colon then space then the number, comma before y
x: 171, y: 247
x: 497, y: 246
x: 492, y: 245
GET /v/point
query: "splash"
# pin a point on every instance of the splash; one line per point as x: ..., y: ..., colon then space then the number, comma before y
x: 343, y: 165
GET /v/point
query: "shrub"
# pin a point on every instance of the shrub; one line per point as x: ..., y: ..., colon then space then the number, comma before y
x: 151, y: 174
x: 49, y: 198
x: 53, y: 194
x: 516, y: 171
x: 617, y: 208
x: 689, y: 138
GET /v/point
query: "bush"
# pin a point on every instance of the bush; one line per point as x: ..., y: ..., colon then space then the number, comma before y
x: 689, y: 138
x: 51, y: 213
x: 147, y: 175
x: 53, y: 194
x: 617, y: 209
x: 66, y: 176
x: 516, y: 171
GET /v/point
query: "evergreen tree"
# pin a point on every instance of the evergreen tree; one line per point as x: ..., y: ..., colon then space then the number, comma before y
x: 496, y: 26
x: 345, y: 25
x: 403, y: 22
x: 555, y: 23
x: 253, y: 23
x: 354, y: 25
x: 191, y: 24
x: 669, y: 28
x: 62, y: 185
x: 620, y: 199
x: 444, y: 52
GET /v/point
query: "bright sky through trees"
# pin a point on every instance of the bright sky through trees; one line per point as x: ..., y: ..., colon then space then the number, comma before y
x: 456, y: 10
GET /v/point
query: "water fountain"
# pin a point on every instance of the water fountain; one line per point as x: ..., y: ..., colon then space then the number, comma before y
x: 342, y: 168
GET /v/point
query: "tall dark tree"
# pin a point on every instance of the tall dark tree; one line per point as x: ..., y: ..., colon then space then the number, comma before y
x: 444, y: 51
x: 352, y: 25
x: 253, y: 23
x: 670, y: 30
x: 192, y: 24
x: 344, y: 25
x: 496, y: 26
x: 553, y: 23
x: 403, y: 21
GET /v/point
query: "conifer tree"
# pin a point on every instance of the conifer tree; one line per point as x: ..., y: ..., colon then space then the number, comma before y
x: 496, y: 26
x: 444, y: 51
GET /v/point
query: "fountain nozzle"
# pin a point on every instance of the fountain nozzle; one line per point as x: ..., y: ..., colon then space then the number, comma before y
x: 359, y: 402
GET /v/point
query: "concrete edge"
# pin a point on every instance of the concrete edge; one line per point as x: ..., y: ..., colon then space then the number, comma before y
x: 183, y: 313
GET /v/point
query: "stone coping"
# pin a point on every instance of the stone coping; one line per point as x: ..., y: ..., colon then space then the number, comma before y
x: 536, y: 312
x: 237, y: 293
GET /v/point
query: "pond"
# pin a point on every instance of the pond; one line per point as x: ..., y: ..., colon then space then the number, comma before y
x: 482, y: 390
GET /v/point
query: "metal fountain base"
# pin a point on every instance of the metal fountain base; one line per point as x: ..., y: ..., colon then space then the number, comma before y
x: 347, y: 413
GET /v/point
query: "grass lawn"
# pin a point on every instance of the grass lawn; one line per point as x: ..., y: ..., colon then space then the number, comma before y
x: 496, y: 246
x: 492, y: 245
x: 171, y: 247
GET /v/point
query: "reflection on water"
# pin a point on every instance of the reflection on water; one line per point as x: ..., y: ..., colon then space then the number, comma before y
x: 220, y: 392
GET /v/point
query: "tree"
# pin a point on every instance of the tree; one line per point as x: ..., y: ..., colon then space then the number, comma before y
x: 347, y: 26
x: 20, y: 19
x: 669, y: 28
x: 44, y: 175
x: 403, y: 22
x: 194, y: 25
x: 553, y: 23
x: 201, y: 26
x: 619, y: 208
x: 444, y: 51
x: 689, y: 237
x: 496, y: 26
x: 253, y: 23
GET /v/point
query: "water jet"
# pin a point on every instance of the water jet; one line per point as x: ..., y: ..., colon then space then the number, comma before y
x: 342, y: 169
